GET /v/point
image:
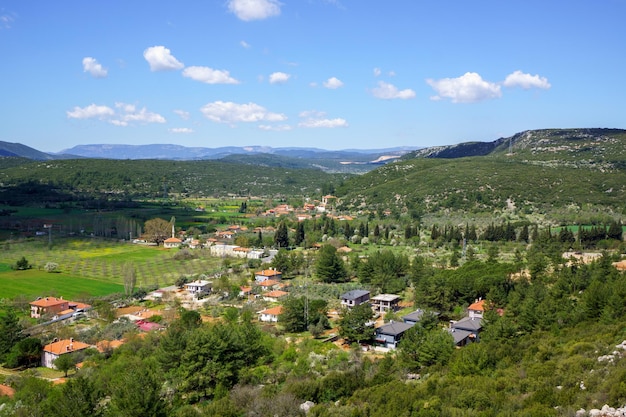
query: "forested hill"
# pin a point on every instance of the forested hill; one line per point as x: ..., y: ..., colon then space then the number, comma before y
x: 533, y: 170
x: 66, y: 179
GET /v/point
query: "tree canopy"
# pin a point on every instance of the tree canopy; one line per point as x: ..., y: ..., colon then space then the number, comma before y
x: 157, y: 230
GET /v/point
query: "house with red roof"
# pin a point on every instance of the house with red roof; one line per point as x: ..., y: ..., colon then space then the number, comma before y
x: 273, y: 296
x: 172, y: 242
x: 54, y: 350
x: 57, y: 308
x: 48, y: 305
x: 476, y: 309
x: 270, y: 315
x: 267, y: 274
x: 269, y: 283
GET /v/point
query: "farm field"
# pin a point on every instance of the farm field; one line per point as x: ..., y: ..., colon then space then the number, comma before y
x: 34, y: 283
x: 93, y: 267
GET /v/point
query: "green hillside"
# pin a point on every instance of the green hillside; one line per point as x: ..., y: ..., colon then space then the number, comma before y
x: 535, y: 170
x: 154, y: 178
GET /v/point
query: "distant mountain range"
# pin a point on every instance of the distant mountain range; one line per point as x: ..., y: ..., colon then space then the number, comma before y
x: 347, y: 160
x: 178, y: 152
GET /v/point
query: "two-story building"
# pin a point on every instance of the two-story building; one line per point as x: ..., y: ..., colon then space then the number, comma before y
x: 354, y: 298
x: 198, y: 287
x: 382, y: 303
x: 388, y: 335
x: 48, y: 306
x: 54, y: 350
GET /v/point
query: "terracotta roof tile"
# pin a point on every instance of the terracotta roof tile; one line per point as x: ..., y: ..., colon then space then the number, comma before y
x: 48, y: 302
x: 65, y: 346
x: 274, y: 311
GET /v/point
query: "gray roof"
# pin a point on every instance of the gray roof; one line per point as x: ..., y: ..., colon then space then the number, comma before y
x: 470, y: 324
x: 393, y: 328
x: 354, y: 294
x: 417, y: 315
x: 459, y: 335
x: 414, y: 316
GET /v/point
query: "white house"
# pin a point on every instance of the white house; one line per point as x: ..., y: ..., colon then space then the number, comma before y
x: 477, y: 309
x: 198, y: 287
x: 172, y: 242
x: 271, y: 314
x: 268, y: 274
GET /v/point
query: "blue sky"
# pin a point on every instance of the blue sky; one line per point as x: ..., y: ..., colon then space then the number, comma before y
x: 333, y: 74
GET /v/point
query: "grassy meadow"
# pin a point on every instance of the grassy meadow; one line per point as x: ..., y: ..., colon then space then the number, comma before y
x: 35, y: 283
x: 92, y: 266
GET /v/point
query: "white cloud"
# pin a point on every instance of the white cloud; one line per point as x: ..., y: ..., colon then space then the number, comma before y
x: 93, y: 111
x: 526, y: 81
x: 377, y: 72
x: 333, y: 83
x: 315, y: 119
x: 245, y: 44
x: 6, y: 20
x: 161, y: 59
x: 180, y: 130
x: 130, y: 114
x: 468, y: 88
x: 182, y: 114
x: 92, y: 66
x: 388, y: 91
x: 277, y: 128
x: 122, y: 116
x: 279, y: 78
x: 229, y: 112
x: 254, y: 9
x: 209, y: 75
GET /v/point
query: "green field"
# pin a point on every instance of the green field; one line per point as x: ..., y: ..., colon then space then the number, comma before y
x: 92, y: 266
x: 34, y: 283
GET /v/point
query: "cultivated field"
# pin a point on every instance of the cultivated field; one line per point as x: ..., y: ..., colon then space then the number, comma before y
x: 89, y: 266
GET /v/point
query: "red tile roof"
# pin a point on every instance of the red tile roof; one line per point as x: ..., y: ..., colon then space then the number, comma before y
x: 275, y: 294
x: 48, y: 302
x: 268, y: 273
x: 65, y: 346
x: 274, y: 311
x: 477, y: 306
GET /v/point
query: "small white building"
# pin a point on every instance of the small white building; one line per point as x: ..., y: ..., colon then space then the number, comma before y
x: 271, y: 314
x: 477, y: 309
x: 172, y: 242
x: 198, y: 287
x: 268, y: 274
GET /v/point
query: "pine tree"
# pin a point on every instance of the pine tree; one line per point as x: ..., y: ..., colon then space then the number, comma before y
x: 299, y: 237
x: 281, y: 237
x: 330, y: 267
x: 10, y: 332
